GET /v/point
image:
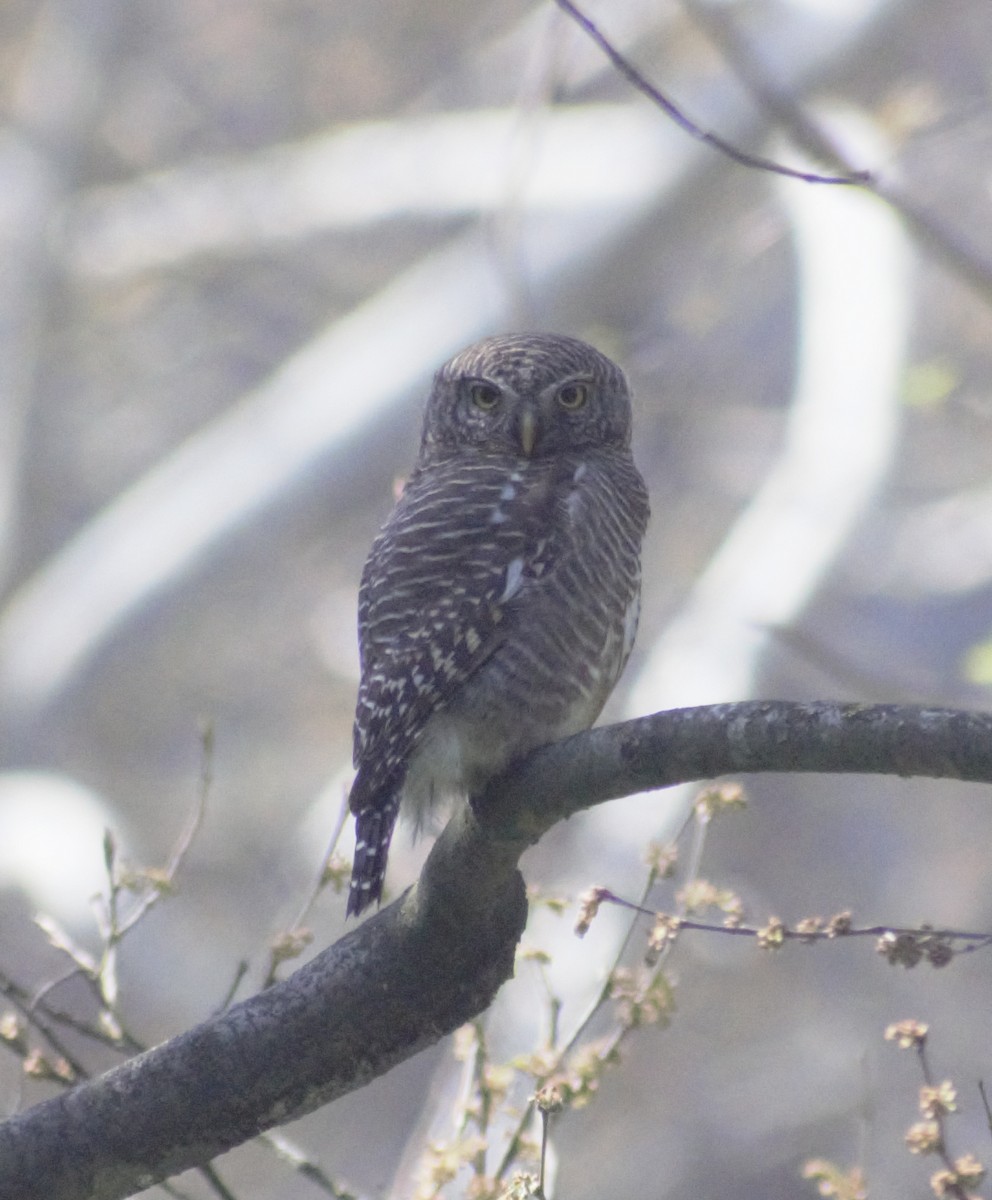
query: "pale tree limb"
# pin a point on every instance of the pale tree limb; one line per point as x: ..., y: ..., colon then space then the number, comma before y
x: 44, y: 133
x: 436, y: 957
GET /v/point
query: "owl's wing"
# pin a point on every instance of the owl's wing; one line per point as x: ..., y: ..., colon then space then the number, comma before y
x: 467, y: 540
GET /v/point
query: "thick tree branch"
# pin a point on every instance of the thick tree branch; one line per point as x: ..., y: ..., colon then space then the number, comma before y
x: 687, y: 744
x: 436, y: 957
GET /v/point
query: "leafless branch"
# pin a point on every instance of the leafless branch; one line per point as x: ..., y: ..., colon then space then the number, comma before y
x: 968, y: 259
x: 656, y: 96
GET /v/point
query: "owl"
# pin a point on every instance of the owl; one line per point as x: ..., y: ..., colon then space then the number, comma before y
x: 499, y: 603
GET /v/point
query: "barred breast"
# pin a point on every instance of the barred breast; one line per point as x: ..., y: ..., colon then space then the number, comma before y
x: 567, y: 633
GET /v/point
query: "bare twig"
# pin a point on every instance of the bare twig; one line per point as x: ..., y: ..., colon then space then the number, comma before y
x: 937, y: 1101
x: 21, y: 999
x: 900, y: 944
x: 644, y: 85
x: 985, y: 1103
x: 217, y: 1185
x: 602, y: 997
x: 240, y: 971
x: 164, y: 882
x: 291, y: 943
x: 305, y: 1166
x: 967, y: 259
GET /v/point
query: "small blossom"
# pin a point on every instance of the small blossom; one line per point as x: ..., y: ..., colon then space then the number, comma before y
x: 943, y: 1182
x: 11, y: 1031
x: 809, y: 927
x: 639, y: 1003
x: 947, y: 1182
x: 440, y: 1167
x: 550, y: 1098
x: 938, y: 1101
x: 720, y: 797
x: 835, y: 1184
x: 155, y: 879
x: 733, y: 908
x: 772, y: 935
x: 522, y: 1187
x: 110, y: 1025
x: 534, y: 954
x: 63, y: 1070
x: 663, y: 934
x: 336, y: 873
x: 290, y: 944
x: 699, y: 895
x: 908, y: 1035
x: 589, y: 903
x: 923, y: 1137
x: 839, y: 924
x: 585, y: 1070
x: 661, y: 858
x: 969, y: 1170
x: 497, y: 1080
x: 37, y: 1066
x: 443, y: 1160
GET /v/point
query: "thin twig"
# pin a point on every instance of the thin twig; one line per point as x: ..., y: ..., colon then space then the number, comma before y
x: 123, y: 1045
x: 953, y: 1186
x: 21, y: 999
x: 304, y: 1165
x: 321, y: 881
x: 985, y: 1103
x: 186, y: 837
x: 545, y: 1122
x: 239, y: 973
x: 296, y: 928
x: 170, y: 1189
x: 216, y: 1184
x: 603, y: 995
x: 967, y: 259
x: 646, y: 88
x: 975, y: 941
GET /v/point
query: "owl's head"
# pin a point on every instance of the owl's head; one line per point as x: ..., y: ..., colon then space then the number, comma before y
x: 528, y: 395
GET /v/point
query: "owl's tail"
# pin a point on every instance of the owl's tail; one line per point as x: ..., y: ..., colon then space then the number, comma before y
x: 374, y: 826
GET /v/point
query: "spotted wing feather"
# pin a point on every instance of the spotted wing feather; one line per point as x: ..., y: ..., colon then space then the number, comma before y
x: 433, y: 597
x: 463, y: 544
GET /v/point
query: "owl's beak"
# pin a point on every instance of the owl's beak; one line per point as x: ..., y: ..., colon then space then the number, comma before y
x: 528, y: 431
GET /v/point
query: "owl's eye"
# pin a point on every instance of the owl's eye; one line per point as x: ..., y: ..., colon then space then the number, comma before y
x: 573, y: 396
x: 484, y: 396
